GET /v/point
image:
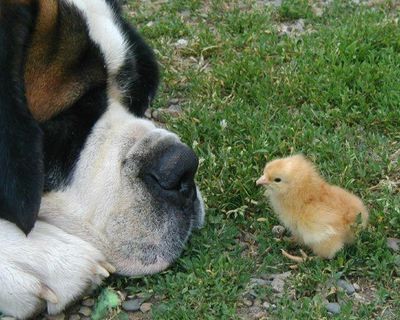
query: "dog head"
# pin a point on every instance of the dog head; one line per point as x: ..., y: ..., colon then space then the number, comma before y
x: 134, y: 186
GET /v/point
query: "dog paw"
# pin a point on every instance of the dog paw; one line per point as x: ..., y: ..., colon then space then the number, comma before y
x: 49, y: 268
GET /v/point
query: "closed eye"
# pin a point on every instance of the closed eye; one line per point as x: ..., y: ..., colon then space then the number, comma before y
x: 277, y: 179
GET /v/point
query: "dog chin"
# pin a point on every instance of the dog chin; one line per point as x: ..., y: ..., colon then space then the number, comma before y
x: 136, y: 268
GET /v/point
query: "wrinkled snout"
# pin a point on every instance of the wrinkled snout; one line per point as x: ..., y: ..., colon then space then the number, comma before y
x: 172, y: 173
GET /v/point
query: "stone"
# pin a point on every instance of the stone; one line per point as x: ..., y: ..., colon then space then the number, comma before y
x: 247, y: 302
x: 266, y: 305
x: 74, y: 317
x: 346, y: 286
x: 60, y: 316
x: 146, y: 307
x: 394, y: 244
x: 174, y: 101
x: 356, y: 286
x: 147, y: 113
x: 278, y: 281
x: 259, y: 282
x: 333, y: 307
x: 359, y: 298
x: 278, y: 285
x: 88, y: 302
x: 397, y: 260
x: 132, y: 305
x: 272, y: 3
x: 256, y: 312
x: 181, y: 43
x: 86, y: 311
x: 278, y: 231
x: 174, y: 110
x: 185, y: 13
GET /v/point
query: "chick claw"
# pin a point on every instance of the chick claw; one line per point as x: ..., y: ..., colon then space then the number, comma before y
x: 297, y: 259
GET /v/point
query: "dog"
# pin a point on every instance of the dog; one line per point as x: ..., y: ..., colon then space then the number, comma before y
x: 87, y: 186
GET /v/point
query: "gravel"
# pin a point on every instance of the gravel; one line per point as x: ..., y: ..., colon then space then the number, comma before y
x: 346, y: 286
x: 132, y: 305
x: 394, y: 244
x: 278, y: 231
x: 85, y: 311
x: 333, y: 307
x: 88, y: 302
x: 146, y: 307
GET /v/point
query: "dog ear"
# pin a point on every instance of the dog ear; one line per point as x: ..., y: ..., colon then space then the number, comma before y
x: 21, y: 167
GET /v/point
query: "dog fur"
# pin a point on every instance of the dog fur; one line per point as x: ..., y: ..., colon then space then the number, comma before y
x: 115, y: 192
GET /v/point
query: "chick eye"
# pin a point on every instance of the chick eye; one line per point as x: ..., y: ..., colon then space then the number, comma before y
x: 277, y: 180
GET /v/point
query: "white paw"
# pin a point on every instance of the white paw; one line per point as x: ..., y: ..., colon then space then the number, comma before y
x: 49, y: 267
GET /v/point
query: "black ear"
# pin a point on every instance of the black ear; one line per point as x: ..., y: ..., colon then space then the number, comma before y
x: 21, y: 167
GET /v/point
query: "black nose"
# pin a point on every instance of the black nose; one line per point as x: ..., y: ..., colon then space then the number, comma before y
x: 173, y: 172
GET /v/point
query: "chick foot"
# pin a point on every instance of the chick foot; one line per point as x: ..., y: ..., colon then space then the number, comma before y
x: 304, y: 257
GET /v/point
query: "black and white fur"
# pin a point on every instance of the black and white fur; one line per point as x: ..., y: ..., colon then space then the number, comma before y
x: 119, y: 192
x: 113, y: 60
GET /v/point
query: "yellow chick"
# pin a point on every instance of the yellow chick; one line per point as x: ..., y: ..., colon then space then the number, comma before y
x: 319, y: 215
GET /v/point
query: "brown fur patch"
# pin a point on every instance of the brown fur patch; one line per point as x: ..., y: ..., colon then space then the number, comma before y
x: 53, y: 82
x: 44, y: 83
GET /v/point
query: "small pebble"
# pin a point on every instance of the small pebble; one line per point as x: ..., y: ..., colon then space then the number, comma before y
x: 146, y: 307
x: 160, y: 114
x: 174, y: 110
x: 181, y: 43
x: 318, y: 11
x: 278, y: 282
x: 247, y: 302
x: 266, y: 305
x: 358, y: 297
x: 278, y: 285
x: 346, y: 286
x: 74, y: 317
x: 147, y: 113
x: 86, y: 311
x: 132, y: 305
x: 333, y: 307
x: 393, y: 243
x: 60, y: 316
x: 278, y: 231
x: 253, y: 294
x: 259, y: 282
x: 356, y: 286
x: 185, y: 13
x: 256, y: 312
x: 174, y: 101
x: 88, y: 302
x: 257, y: 303
x: 397, y: 260
x: 275, y: 3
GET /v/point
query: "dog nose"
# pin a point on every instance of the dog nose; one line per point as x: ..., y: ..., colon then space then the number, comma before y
x: 174, y: 172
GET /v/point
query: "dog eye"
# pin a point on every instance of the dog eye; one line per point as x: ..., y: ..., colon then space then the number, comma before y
x: 277, y: 180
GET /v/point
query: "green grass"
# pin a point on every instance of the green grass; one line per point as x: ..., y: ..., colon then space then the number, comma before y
x: 332, y: 93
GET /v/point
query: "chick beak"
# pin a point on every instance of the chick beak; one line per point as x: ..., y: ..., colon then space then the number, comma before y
x: 263, y: 180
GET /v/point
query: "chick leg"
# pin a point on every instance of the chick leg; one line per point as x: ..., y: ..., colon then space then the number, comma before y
x: 297, y: 259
